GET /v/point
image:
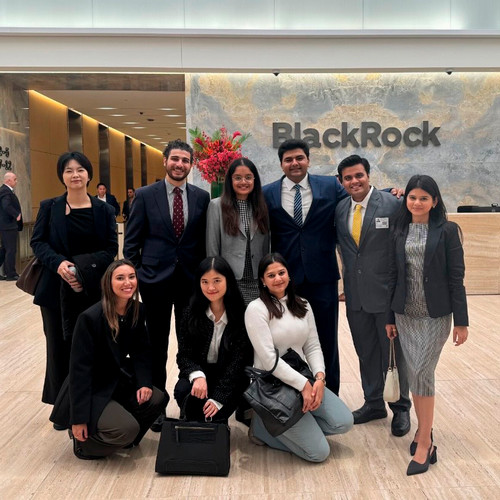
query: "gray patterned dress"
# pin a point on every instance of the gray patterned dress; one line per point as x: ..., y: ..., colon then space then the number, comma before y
x: 422, y: 337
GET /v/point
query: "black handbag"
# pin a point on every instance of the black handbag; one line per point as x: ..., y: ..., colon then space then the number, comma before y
x: 30, y: 277
x: 279, y: 405
x: 193, y: 448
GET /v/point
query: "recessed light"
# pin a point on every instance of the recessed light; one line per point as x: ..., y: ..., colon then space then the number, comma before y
x: 138, y: 127
x: 166, y: 109
x: 173, y: 116
x: 117, y: 115
x: 130, y: 123
x: 151, y: 135
x: 181, y: 123
x: 105, y: 108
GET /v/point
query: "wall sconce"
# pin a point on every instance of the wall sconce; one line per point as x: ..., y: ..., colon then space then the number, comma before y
x: 4, y: 152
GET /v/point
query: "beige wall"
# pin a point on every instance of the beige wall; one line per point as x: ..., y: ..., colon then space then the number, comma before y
x: 49, y: 139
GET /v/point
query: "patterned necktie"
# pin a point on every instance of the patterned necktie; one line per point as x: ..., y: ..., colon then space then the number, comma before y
x: 297, y: 206
x: 178, y: 215
x: 356, y: 224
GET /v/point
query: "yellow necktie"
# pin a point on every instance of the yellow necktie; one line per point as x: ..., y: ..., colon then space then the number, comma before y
x: 356, y: 224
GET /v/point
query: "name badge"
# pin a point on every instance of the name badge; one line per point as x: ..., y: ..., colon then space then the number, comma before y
x: 381, y: 222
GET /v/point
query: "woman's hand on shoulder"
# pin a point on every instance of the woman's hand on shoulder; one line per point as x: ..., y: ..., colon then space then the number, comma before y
x: 199, y: 389
x: 144, y: 394
x: 460, y: 334
x: 80, y: 432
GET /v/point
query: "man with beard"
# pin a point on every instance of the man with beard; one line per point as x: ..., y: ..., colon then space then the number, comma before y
x: 165, y: 239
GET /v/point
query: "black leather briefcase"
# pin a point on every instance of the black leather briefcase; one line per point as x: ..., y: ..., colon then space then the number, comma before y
x: 193, y: 448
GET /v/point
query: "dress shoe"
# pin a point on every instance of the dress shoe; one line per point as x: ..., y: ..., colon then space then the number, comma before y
x: 157, y: 425
x: 400, y: 424
x: 414, y: 444
x: 416, y: 468
x: 59, y: 427
x: 366, y: 414
x: 12, y: 278
x: 2, y: 277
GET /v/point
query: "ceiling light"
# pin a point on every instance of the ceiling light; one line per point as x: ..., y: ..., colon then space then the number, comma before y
x: 117, y: 115
x: 173, y: 116
x: 105, y: 108
x: 166, y: 109
x: 181, y: 123
x: 130, y: 123
x: 138, y: 127
x: 151, y: 135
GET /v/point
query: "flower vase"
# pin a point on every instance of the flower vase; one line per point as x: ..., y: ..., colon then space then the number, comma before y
x: 216, y: 188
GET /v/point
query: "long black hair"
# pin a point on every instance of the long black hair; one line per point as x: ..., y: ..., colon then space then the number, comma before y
x: 295, y: 304
x: 229, y: 205
x: 437, y: 214
x: 233, y: 301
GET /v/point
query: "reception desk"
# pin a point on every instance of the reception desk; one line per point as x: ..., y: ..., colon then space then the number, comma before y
x: 482, y: 251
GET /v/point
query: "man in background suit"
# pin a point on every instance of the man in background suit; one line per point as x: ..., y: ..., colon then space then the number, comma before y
x: 11, y: 221
x: 363, y: 224
x: 305, y: 235
x: 103, y: 195
x: 127, y: 204
x: 165, y: 239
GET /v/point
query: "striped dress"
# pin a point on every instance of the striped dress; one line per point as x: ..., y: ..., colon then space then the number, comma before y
x: 422, y: 338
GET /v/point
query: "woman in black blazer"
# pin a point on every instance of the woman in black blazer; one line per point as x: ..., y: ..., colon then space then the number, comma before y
x: 112, y: 399
x: 213, y: 345
x: 75, y: 239
x: 426, y: 289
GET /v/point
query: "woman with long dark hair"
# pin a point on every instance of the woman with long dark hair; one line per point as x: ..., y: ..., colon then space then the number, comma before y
x: 238, y: 225
x: 426, y: 289
x: 213, y: 345
x: 279, y: 319
x: 75, y: 239
x: 112, y: 399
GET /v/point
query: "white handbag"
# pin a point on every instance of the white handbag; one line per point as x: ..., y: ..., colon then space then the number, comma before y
x: 391, y: 386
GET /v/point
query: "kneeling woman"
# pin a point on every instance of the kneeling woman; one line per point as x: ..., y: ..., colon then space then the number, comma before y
x: 279, y: 319
x: 213, y: 346
x: 112, y: 398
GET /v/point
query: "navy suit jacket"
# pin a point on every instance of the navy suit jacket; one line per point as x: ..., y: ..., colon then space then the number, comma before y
x: 310, y: 249
x: 150, y: 241
x: 10, y: 209
x: 366, y: 269
x: 111, y: 200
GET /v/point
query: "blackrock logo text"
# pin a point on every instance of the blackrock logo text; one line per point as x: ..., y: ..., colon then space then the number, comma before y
x: 368, y: 132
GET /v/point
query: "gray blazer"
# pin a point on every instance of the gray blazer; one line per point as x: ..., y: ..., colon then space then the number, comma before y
x: 233, y: 248
x: 366, y: 269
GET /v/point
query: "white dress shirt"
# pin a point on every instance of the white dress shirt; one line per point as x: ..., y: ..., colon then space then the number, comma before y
x: 363, y: 204
x: 288, y: 196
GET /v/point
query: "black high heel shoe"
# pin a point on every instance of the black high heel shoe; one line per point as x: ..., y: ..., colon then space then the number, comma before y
x: 414, y: 444
x: 416, y: 468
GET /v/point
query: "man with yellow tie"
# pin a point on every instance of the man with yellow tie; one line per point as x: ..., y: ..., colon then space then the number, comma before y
x: 363, y: 226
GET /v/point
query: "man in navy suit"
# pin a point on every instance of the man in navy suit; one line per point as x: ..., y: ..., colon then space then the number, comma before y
x: 165, y: 239
x: 366, y: 278
x: 11, y: 222
x: 103, y: 195
x: 308, y: 242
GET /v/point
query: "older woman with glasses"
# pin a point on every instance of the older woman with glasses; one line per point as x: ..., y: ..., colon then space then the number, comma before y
x: 238, y: 225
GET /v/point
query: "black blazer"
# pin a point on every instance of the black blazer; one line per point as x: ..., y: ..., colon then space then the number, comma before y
x: 94, y: 368
x: 111, y: 200
x: 50, y: 245
x: 150, y: 241
x: 10, y: 208
x: 443, y: 272
x: 235, y: 353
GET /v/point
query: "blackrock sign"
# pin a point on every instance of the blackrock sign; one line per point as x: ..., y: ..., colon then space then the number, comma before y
x: 368, y: 132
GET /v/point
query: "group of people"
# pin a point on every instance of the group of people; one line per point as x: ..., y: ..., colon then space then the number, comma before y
x: 235, y: 302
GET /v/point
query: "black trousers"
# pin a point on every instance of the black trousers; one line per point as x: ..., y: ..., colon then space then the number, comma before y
x: 324, y: 301
x: 8, y: 251
x: 57, y: 353
x: 158, y: 300
x: 372, y: 347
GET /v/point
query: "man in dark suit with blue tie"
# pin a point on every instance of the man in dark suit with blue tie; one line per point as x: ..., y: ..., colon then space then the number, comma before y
x: 363, y: 225
x: 302, y: 218
x: 165, y: 239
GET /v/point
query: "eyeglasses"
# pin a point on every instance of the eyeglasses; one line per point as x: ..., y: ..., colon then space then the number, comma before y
x: 239, y: 178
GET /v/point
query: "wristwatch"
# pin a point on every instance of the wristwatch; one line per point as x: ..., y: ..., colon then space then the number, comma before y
x: 322, y: 379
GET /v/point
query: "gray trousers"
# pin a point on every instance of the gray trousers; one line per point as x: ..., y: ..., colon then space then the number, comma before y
x: 372, y: 347
x: 118, y: 427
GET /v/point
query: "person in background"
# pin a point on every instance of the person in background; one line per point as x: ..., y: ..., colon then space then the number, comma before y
x: 165, y: 239
x: 238, y: 225
x: 11, y: 221
x: 426, y: 289
x: 103, y: 195
x: 280, y: 319
x: 127, y: 204
x: 363, y: 228
x: 112, y: 399
x: 213, y: 346
x: 75, y: 239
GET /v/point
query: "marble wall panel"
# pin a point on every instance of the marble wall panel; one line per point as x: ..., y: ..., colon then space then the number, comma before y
x: 14, y: 134
x: 465, y: 106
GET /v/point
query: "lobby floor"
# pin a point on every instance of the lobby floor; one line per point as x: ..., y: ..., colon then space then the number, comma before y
x: 37, y: 462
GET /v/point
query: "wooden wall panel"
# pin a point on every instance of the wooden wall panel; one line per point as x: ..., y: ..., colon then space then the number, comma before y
x: 117, y: 164
x: 156, y: 170
x: 91, y: 148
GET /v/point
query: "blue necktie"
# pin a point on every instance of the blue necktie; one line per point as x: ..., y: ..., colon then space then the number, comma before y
x: 297, y: 206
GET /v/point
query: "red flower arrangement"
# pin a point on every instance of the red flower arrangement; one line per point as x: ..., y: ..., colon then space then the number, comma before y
x: 213, y: 155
